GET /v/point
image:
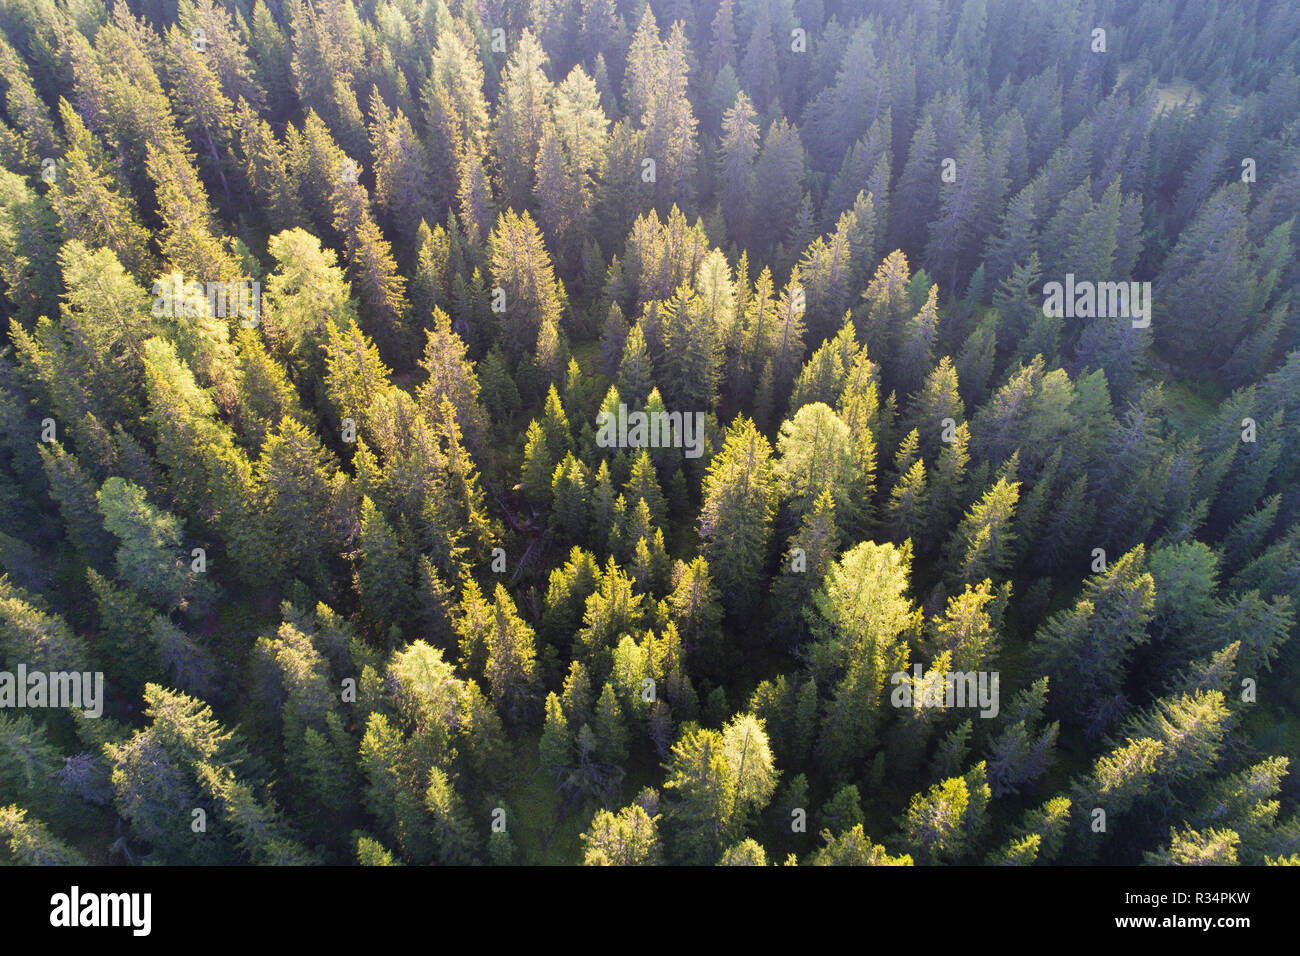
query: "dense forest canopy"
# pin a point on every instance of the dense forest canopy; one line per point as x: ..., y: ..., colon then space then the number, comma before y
x: 619, y: 432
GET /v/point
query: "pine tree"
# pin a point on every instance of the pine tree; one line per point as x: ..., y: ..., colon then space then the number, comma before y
x: 381, y: 290
x: 816, y: 455
x: 826, y: 372
x: 569, y: 490
x: 811, y: 550
x: 739, y: 149
x: 635, y: 370
x: 907, y: 514
x: 384, y: 577
x: 643, y: 485
x: 568, y: 163
x: 718, y: 780
x: 735, y: 523
x: 627, y: 838
x: 148, y: 554
x: 29, y: 240
x: 691, y: 352
x: 538, y: 471
x: 511, y: 660
x: 30, y: 842
x: 264, y: 393
x: 854, y: 848
x: 1214, y: 244
x: 1100, y: 631
x: 306, y: 295
x: 610, y: 730
x: 75, y: 493
x: 944, y: 823
x: 881, y: 327
x: 656, y: 84
x: 860, y: 620
x: 451, y: 377
x: 695, y: 610
x: 556, y: 747
x: 1022, y: 753
x: 610, y: 610
x: 982, y: 544
x: 915, y: 199
x: 308, y: 501
x: 403, y: 178
x: 778, y: 177
x: 182, y: 760
x: 521, y: 269
x: 211, y: 478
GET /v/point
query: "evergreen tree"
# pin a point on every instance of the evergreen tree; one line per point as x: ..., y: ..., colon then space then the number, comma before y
x: 736, y: 521
x: 1107, y: 622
